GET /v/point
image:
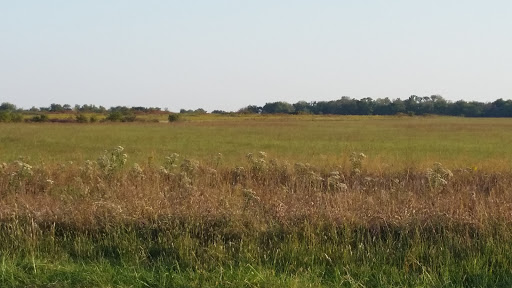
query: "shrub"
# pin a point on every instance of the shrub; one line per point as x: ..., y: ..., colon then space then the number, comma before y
x: 5, y: 116
x: 173, y: 117
x: 128, y: 117
x: 8, y: 116
x: 80, y: 118
x: 114, y: 116
x: 40, y: 118
x: 16, y: 117
x: 119, y: 116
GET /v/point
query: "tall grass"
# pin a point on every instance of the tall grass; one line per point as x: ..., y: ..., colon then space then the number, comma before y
x: 263, y: 221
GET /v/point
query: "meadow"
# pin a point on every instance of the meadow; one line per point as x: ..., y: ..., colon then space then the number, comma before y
x: 392, y: 142
x: 258, y: 201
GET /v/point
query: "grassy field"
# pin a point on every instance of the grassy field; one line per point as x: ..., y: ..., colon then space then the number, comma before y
x: 309, y: 212
x: 390, y: 142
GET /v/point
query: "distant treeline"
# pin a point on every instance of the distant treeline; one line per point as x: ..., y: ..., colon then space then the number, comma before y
x: 10, y: 113
x: 414, y: 105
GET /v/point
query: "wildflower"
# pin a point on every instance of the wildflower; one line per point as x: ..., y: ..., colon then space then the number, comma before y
x: 163, y: 170
x: 438, y: 175
x: 334, y: 174
x: 238, y: 175
x: 170, y: 161
x: 24, y: 168
x: 189, y: 166
x: 314, y: 176
x: 356, y: 160
x: 342, y: 186
x: 334, y: 182
x: 250, y: 195
x: 185, y: 181
x: 137, y: 171
x: 113, y: 160
x: 300, y: 168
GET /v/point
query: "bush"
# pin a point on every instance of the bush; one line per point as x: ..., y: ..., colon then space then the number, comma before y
x: 173, y: 117
x: 128, y: 118
x: 40, y: 118
x: 16, y: 117
x: 5, y: 116
x: 8, y: 116
x: 119, y: 116
x: 80, y: 118
x: 114, y: 116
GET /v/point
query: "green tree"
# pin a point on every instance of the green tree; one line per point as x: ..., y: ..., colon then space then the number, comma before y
x: 278, y: 107
x: 6, y: 106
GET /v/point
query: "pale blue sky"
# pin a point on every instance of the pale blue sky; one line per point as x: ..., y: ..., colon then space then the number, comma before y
x: 229, y: 54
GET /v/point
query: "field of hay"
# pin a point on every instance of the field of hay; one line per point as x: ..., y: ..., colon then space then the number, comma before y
x: 272, y: 201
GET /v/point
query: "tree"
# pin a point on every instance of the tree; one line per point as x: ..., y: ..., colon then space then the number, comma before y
x: 397, y: 106
x: 365, y: 106
x: 56, y: 107
x: 440, y: 104
x: 346, y: 106
x: 383, y: 107
x: 302, y: 107
x: 251, y: 109
x: 278, y: 107
x: 6, y: 106
x: 200, y: 111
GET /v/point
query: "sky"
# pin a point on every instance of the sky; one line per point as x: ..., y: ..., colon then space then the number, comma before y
x: 225, y: 55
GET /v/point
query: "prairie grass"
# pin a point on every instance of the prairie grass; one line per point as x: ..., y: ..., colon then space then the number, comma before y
x: 296, y: 217
x: 266, y: 224
x: 392, y: 143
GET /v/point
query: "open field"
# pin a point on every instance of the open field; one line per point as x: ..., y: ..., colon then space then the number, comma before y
x: 306, y: 213
x: 390, y: 142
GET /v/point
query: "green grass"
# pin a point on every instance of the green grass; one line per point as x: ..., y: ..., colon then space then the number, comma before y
x: 305, y: 256
x: 390, y: 142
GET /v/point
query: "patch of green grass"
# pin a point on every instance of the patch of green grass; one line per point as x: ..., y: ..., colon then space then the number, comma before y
x: 303, y: 257
x: 390, y: 142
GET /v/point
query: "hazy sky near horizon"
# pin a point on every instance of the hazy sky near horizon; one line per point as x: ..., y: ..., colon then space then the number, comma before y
x: 230, y: 54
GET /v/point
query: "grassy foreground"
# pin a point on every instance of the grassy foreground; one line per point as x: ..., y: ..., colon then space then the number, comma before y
x: 269, y: 220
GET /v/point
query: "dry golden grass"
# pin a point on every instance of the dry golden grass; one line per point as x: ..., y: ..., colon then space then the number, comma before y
x: 261, y: 194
